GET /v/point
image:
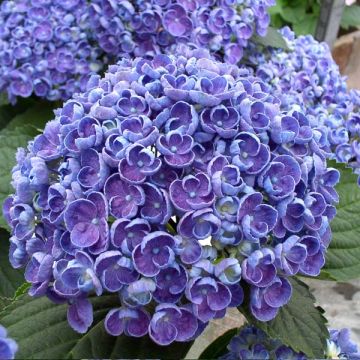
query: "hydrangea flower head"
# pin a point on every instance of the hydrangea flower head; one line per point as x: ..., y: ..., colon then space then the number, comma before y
x: 141, y: 27
x: 132, y: 178
x: 253, y: 343
x: 307, y: 79
x: 46, y: 48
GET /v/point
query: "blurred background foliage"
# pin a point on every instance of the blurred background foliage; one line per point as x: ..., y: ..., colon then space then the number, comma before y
x: 302, y: 16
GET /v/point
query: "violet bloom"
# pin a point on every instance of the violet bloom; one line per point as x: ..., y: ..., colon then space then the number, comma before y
x: 189, y: 250
x: 226, y: 208
x: 183, y: 118
x: 221, y: 120
x: 176, y: 21
x: 114, y: 150
x: 124, y: 198
x: 325, y: 179
x: 170, y: 284
x: 22, y: 220
x: 172, y: 323
x: 177, y: 88
x: 290, y: 255
x: 285, y: 129
x: 131, y: 105
x: 154, y: 253
x: 225, y: 178
x: 139, y: 130
x: 157, y: 206
x: 199, y: 224
x: 115, y: 270
x: 80, y: 315
x: 229, y: 234
x: 94, y: 171
x: 138, y: 293
x: 86, y: 219
x: 88, y: 134
x: 249, y: 154
x: 257, y: 219
x: 228, y: 271
x: 176, y: 148
x: 315, y: 259
x: 165, y: 176
x: 192, y: 192
x: 127, y: 234
x: 211, y: 92
x: 131, y: 322
x: 138, y: 164
x: 259, y: 268
x: 208, y: 297
x: 280, y: 177
x: 256, y: 114
x: 300, y: 213
x: 265, y: 302
x: 39, y: 272
x: 77, y: 276
x: 58, y: 198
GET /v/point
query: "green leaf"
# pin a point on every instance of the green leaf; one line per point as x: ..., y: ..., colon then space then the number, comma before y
x: 8, y: 111
x: 273, y: 38
x: 21, y: 290
x: 36, y: 116
x: 294, y: 15
x: 351, y: 16
x: 277, y: 8
x: 124, y: 347
x: 306, y: 26
x: 343, y: 254
x: 42, y: 332
x: 10, y: 140
x: 10, y: 279
x: 16, y: 133
x: 219, y: 346
x: 299, y: 324
x: 3, y: 99
x: 277, y: 21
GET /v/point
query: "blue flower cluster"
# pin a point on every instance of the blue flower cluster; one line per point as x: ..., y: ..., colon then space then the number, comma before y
x: 143, y: 28
x: 170, y: 182
x: 253, y: 343
x: 46, y: 48
x: 307, y: 79
x: 8, y: 347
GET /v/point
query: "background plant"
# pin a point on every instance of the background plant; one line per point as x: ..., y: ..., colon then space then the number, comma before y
x: 302, y: 15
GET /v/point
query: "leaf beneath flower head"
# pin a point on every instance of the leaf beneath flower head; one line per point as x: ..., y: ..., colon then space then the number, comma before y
x: 10, y: 279
x: 343, y: 255
x: 10, y: 141
x: 299, y: 324
x: 15, y: 134
x: 272, y: 38
x: 42, y: 332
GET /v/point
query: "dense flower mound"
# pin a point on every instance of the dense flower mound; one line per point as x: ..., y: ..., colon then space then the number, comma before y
x: 170, y: 182
x: 253, y: 343
x: 307, y: 79
x: 45, y: 48
x: 151, y: 27
x: 8, y: 347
